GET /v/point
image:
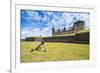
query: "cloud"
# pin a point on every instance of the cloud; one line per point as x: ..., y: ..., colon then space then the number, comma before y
x: 36, y: 32
x: 37, y: 22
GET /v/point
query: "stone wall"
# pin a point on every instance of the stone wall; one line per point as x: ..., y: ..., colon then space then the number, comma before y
x: 82, y: 37
x: 77, y: 38
x: 30, y: 39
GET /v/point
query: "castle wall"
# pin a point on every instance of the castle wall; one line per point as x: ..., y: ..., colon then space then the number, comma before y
x: 62, y: 33
x: 77, y: 38
x: 79, y: 25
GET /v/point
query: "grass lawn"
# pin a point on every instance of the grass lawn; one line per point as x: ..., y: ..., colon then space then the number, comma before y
x: 55, y: 52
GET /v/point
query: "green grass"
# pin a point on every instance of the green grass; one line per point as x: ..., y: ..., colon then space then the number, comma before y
x: 55, y: 52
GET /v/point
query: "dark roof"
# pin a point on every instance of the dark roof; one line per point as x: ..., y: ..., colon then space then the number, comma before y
x: 79, y: 22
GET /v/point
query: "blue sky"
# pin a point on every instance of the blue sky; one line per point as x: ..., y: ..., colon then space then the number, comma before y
x: 39, y: 22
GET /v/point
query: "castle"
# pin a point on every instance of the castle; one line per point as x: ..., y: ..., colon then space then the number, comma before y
x: 76, y: 38
x: 77, y: 26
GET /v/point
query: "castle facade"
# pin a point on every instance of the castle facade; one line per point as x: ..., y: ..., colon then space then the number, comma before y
x: 77, y: 26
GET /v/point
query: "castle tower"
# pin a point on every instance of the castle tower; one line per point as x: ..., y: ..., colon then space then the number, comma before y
x: 53, y: 30
x: 58, y: 29
x: 79, y: 25
x: 64, y: 29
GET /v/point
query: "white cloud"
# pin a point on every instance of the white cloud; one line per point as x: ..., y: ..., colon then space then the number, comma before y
x: 36, y: 32
x: 46, y: 32
x: 58, y: 22
x: 33, y: 15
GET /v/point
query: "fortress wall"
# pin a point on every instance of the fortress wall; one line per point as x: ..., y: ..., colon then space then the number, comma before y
x: 78, y: 38
x: 30, y: 39
x: 82, y: 37
x: 60, y: 39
